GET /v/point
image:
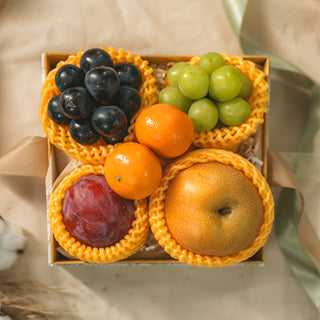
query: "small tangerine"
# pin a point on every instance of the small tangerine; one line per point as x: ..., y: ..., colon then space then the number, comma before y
x: 165, y: 129
x: 133, y: 171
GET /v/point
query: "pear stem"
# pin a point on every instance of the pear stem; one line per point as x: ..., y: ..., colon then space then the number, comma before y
x: 224, y: 211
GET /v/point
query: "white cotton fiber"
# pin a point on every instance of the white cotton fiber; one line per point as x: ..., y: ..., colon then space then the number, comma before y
x: 12, y: 238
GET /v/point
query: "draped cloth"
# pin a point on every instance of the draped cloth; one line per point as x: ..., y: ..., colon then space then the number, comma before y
x: 46, y: 28
x: 297, y: 238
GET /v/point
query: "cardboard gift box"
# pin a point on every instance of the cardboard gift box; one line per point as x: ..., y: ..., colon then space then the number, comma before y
x: 151, y: 252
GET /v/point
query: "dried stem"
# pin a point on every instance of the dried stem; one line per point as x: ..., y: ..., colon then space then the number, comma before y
x: 23, y: 300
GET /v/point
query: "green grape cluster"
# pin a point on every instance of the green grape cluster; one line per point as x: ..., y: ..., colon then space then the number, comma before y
x: 208, y: 92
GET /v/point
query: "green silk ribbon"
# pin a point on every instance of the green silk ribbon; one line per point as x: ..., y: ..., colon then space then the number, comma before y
x: 288, y: 210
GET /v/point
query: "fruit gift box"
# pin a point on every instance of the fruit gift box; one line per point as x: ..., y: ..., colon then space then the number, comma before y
x: 138, y: 245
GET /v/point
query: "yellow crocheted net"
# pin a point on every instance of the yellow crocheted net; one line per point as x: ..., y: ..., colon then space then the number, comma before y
x: 230, y: 137
x: 59, y: 135
x: 126, y: 247
x: 157, y: 216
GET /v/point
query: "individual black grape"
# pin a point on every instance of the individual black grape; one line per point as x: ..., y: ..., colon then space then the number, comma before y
x: 95, y: 57
x: 82, y: 131
x: 129, y: 74
x: 116, y: 139
x: 127, y: 99
x: 55, y: 113
x: 76, y: 103
x: 109, y: 120
x: 102, y: 83
x: 69, y: 76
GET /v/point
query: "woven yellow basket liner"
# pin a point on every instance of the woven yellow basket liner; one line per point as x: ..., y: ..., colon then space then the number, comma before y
x: 59, y: 135
x: 157, y: 215
x: 126, y: 247
x: 230, y: 137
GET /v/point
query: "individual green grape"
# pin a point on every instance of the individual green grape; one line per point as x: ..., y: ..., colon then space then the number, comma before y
x: 246, y: 87
x: 174, y: 72
x: 234, y: 112
x: 211, y: 61
x: 204, y: 114
x: 193, y: 82
x: 225, y: 83
x: 173, y: 96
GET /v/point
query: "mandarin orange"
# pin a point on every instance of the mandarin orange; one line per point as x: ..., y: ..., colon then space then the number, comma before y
x: 165, y: 129
x: 132, y: 171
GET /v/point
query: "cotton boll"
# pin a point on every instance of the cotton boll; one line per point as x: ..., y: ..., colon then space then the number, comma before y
x: 7, y: 259
x: 12, y: 238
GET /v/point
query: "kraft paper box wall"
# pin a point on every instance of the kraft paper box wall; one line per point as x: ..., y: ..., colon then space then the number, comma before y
x: 151, y: 252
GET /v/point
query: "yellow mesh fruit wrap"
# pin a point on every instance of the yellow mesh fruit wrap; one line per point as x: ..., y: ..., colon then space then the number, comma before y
x: 157, y: 216
x: 59, y: 135
x: 127, y: 246
x: 230, y: 137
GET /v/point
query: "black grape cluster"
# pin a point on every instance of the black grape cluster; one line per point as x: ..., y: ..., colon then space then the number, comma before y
x: 98, y: 99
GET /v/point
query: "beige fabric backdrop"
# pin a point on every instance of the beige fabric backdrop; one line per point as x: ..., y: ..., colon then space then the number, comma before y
x: 176, y: 27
